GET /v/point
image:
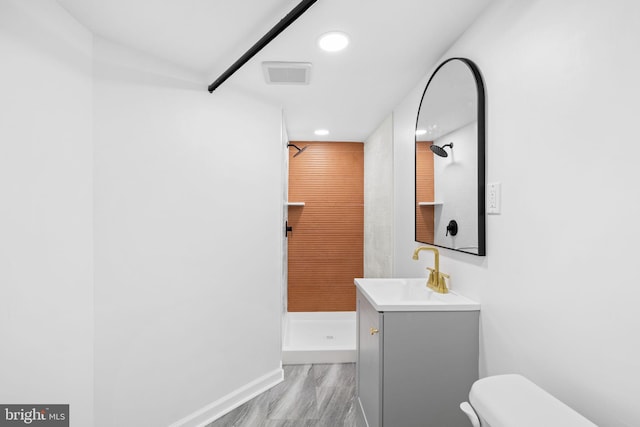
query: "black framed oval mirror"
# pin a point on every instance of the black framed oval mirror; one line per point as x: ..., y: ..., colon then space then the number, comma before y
x: 450, y: 159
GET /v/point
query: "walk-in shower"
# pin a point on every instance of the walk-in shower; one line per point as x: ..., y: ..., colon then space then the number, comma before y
x: 324, y: 251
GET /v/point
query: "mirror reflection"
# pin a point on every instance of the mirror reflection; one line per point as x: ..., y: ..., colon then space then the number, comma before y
x: 450, y: 159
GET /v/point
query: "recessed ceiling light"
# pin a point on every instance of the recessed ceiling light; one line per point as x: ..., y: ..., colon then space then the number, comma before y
x: 321, y: 132
x: 333, y: 41
x: 421, y: 132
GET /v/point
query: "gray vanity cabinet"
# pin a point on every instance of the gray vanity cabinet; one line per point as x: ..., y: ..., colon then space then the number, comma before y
x: 415, y: 367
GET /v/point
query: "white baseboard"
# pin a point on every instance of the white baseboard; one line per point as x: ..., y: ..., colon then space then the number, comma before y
x: 226, y: 404
x: 305, y: 357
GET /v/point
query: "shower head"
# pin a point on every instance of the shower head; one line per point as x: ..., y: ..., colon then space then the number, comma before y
x: 440, y: 151
x: 300, y: 150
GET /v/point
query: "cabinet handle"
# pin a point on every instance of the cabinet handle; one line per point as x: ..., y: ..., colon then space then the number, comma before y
x: 373, y: 331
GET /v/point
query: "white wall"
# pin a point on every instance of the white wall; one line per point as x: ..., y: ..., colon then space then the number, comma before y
x: 455, y: 179
x: 172, y: 194
x: 378, y: 201
x: 46, y: 293
x: 188, y: 209
x: 559, y: 285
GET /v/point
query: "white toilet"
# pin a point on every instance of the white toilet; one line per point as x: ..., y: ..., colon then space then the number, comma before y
x: 514, y: 401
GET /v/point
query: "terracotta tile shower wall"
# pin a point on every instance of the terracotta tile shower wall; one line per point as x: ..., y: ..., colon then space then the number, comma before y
x: 326, y: 245
x: 424, y: 192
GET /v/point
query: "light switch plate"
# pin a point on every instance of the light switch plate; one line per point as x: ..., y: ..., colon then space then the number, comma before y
x: 493, y: 198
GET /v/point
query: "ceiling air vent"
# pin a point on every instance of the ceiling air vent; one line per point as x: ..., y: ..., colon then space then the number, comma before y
x: 286, y: 73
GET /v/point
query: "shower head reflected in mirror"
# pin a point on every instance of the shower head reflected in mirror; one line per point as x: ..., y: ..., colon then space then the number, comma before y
x: 300, y: 150
x: 440, y: 151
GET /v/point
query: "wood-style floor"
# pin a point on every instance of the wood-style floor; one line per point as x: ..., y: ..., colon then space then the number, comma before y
x: 309, y: 396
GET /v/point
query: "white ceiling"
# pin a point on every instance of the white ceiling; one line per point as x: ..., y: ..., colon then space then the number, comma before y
x: 394, y: 44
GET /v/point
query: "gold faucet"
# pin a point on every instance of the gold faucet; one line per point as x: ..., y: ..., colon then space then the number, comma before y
x: 436, y: 278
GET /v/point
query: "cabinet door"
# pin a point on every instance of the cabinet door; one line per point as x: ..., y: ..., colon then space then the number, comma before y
x: 369, y: 361
x: 430, y: 362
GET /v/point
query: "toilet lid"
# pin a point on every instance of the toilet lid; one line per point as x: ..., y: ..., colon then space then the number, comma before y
x: 513, y: 400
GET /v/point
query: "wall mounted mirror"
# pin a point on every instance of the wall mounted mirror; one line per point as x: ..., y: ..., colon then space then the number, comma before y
x: 450, y: 159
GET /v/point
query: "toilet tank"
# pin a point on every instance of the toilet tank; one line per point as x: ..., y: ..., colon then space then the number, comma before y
x: 514, y: 401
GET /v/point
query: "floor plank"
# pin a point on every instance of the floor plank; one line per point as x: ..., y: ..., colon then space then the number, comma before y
x: 320, y: 395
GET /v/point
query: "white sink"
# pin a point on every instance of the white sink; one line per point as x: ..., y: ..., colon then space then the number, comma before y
x: 411, y: 295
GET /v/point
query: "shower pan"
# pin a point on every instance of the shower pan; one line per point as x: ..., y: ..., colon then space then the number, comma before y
x: 319, y: 337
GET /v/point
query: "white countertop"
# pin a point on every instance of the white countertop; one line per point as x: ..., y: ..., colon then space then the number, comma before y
x: 411, y: 295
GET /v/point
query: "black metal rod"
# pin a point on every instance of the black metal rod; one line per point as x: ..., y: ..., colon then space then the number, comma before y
x: 265, y: 40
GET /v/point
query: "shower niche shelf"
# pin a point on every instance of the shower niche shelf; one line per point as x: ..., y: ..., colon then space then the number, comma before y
x: 295, y: 203
x: 430, y: 203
